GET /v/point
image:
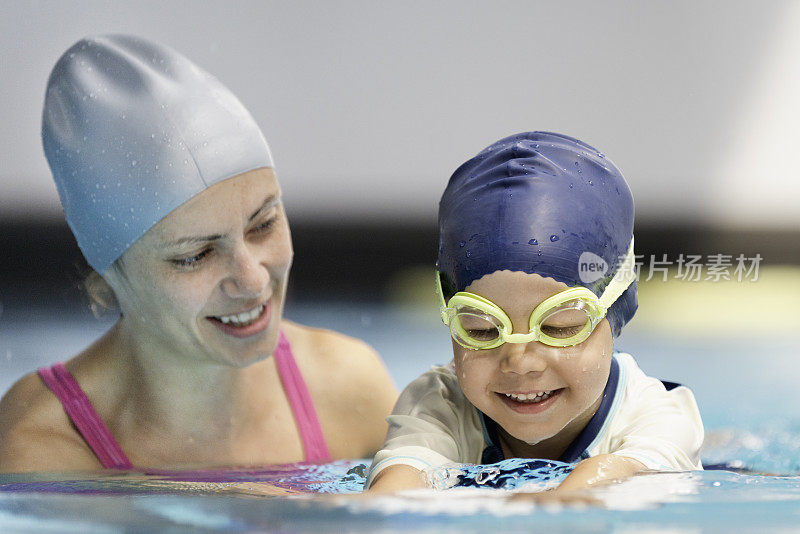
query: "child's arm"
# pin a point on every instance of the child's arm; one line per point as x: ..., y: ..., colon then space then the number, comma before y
x: 653, y: 429
x: 432, y: 424
x: 598, y: 469
x: 589, y: 472
x: 396, y: 478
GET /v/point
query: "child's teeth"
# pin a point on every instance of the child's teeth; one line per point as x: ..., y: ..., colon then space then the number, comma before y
x: 530, y: 397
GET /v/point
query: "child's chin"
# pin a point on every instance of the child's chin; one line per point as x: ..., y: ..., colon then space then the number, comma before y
x: 534, y: 440
x: 530, y: 438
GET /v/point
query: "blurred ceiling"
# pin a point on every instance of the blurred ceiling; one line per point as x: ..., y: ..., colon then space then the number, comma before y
x: 369, y: 106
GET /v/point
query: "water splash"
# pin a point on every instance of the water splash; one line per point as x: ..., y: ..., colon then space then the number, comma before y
x: 509, y: 474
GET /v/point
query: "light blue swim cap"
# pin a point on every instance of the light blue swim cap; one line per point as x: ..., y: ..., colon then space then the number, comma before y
x: 132, y: 130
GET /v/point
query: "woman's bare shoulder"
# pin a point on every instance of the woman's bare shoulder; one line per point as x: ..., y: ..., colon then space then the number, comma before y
x: 28, y: 403
x: 350, y: 384
x: 327, y: 344
x: 327, y: 352
x: 35, y: 432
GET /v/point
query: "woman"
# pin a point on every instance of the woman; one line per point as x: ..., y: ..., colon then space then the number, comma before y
x: 169, y: 188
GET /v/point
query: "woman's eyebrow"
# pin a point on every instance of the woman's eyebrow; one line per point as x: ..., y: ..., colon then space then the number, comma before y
x: 194, y: 240
x: 269, y: 202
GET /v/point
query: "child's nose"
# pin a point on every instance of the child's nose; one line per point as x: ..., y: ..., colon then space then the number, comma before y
x: 524, y: 358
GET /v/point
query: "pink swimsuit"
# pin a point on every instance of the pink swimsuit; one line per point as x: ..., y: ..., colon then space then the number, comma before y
x: 108, y: 451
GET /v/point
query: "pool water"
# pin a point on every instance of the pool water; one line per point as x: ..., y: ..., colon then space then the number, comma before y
x: 711, y: 501
x: 746, y: 390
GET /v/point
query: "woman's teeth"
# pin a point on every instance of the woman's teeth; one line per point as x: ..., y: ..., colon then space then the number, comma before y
x: 244, y: 318
x: 530, y: 397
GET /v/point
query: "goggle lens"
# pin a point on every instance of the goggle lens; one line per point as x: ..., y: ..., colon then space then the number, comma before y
x: 473, y: 328
x: 571, y: 322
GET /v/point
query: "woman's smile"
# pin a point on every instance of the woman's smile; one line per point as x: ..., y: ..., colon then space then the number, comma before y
x: 244, y: 324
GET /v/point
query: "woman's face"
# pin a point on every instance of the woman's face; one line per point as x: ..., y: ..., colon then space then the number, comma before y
x: 209, y: 280
x: 503, y: 382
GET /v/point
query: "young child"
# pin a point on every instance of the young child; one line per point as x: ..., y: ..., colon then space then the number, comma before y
x: 535, y: 275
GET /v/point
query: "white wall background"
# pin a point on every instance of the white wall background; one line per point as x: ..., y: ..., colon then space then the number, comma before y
x: 370, y: 105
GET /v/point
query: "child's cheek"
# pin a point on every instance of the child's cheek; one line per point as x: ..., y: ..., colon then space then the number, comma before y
x: 587, y: 365
x: 474, y: 373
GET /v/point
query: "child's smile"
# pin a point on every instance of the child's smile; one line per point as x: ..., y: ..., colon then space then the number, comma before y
x: 533, y: 391
x: 534, y: 402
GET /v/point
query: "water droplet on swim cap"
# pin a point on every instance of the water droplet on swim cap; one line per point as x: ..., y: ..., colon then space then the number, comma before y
x: 533, y: 242
x: 140, y: 87
x: 553, y: 238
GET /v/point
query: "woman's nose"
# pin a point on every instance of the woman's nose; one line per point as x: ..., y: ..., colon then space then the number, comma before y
x: 248, y: 277
x: 523, y: 358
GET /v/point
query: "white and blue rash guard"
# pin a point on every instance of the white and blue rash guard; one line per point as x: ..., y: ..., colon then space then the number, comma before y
x: 434, y: 424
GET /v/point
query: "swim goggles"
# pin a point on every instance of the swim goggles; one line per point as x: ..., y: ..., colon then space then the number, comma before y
x: 563, y: 320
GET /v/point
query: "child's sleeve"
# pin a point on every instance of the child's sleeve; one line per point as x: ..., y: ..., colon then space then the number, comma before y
x: 659, y: 428
x: 427, y: 426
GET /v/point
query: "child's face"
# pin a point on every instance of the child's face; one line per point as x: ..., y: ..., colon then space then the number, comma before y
x: 575, y: 375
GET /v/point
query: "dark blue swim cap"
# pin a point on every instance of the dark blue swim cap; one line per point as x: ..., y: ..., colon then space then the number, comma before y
x: 542, y: 203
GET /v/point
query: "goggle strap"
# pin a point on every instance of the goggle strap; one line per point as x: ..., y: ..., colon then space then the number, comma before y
x: 623, y: 278
x: 440, y: 294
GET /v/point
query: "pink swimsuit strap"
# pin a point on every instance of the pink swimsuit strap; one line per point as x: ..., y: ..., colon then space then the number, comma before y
x: 99, y: 438
x: 84, y: 416
x: 314, y: 445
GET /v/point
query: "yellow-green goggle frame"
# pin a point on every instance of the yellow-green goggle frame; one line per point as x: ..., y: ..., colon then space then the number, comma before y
x: 579, y: 298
